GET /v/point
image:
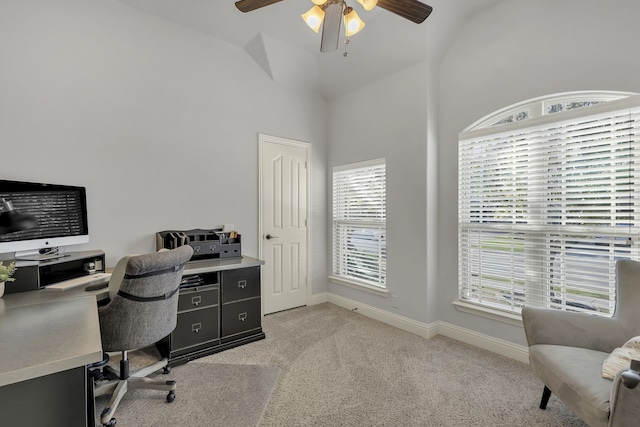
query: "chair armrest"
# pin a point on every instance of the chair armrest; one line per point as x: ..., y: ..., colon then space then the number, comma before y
x: 557, y: 327
x: 625, y: 404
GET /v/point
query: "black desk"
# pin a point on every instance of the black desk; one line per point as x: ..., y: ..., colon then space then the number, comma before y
x: 46, y: 339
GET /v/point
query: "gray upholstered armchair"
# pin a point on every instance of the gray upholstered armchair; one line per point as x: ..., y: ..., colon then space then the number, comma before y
x: 567, y: 351
x: 143, y: 310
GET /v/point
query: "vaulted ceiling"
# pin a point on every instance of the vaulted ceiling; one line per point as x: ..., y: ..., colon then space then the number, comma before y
x: 386, y: 45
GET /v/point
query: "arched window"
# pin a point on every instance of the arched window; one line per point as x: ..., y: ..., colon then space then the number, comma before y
x: 547, y: 202
x: 545, y: 105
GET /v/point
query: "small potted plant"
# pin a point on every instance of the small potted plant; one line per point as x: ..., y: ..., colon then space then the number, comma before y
x: 6, y: 271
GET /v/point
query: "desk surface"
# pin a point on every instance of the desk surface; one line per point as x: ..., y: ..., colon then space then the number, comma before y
x: 40, y: 337
x: 210, y: 265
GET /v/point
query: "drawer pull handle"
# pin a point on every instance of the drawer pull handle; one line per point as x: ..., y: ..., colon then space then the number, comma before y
x: 196, y: 300
x: 242, y: 284
x: 196, y: 248
x: 242, y: 317
x: 196, y: 327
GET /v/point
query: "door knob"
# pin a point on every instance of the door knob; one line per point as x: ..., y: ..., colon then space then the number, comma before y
x: 269, y: 237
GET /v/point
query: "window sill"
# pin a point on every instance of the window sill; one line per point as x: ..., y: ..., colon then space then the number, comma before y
x: 360, y: 286
x: 489, y: 313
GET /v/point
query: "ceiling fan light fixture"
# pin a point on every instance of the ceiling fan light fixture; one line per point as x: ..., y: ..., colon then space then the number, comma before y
x: 314, y: 17
x: 367, y: 4
x: 331, y: 14
x: 352, y: 22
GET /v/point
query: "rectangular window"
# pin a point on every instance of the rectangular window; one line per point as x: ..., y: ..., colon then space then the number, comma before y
x: 547, y: 206
x: 359, y: 223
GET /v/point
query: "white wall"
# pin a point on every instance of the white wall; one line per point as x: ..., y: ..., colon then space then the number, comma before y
x: 159, y: 122
x: 388, y: 119
x: 512, y: 51
x: 515, y: 51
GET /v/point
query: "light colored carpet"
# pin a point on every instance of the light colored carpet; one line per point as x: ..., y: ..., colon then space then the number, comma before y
x: 215, y: 395
x: 340, y: 368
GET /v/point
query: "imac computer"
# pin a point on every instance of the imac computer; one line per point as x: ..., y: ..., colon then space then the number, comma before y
x: 38, y: 220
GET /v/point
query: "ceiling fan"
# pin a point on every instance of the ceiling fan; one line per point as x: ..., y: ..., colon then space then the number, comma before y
x: 329, y: 14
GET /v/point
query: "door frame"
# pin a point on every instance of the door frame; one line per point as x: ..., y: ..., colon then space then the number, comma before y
x: 268, y: 139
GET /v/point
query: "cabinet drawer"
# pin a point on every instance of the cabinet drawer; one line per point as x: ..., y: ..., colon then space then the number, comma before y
x: 197, y: 297
x: 238, y: 317
x: 195, y: 327
x: 205, y: 248
x: 230, y: 251
x: 240, y: 284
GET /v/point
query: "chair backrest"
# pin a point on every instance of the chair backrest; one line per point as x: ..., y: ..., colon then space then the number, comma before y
x: 628, y: 297
x: 145, y: 308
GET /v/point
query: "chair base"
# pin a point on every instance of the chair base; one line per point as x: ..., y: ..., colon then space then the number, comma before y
x: 546, y: 394
x: 119, y: 387
x: 97, y: 370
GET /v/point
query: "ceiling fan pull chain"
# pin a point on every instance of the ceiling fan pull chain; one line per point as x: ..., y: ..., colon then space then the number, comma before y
x: 346, y: 43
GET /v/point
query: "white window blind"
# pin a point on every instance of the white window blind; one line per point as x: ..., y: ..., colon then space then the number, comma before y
x: 547, y: 206
x: 359, y: 223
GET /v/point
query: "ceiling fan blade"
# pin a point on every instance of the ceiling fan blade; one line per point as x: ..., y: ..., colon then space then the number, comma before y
x: 413, y: 10
x: 331, y: 27
x: 249, y: 5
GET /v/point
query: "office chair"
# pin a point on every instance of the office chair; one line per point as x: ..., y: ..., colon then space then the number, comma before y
x: 143, y: 310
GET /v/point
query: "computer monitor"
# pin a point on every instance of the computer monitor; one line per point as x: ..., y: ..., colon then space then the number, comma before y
x: 38, y: 220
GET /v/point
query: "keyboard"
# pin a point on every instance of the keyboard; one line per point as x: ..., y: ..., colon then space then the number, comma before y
x: 81, y: 281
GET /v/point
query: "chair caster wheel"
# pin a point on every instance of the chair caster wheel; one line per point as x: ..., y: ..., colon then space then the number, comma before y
x: 166, y: 369
x: 111, y: 423
x: 171, y: 396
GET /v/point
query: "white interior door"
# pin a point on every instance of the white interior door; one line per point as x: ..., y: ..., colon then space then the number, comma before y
x: 284, y: 222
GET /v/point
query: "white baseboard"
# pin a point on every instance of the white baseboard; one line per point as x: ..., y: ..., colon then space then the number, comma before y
x: 487, y: 342
x: 401, y: 322
x: 319, y: 298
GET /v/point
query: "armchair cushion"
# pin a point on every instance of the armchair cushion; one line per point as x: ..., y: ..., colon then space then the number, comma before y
x: 621, y: 357
x: 574, y: 374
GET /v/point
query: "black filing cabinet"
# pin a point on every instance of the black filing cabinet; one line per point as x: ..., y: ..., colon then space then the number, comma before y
x: 222, y: 311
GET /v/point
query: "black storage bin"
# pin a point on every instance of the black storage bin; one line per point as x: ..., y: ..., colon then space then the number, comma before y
x: 206, y: 243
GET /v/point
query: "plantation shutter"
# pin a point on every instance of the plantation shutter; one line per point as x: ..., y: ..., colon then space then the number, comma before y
x: 547, y: 206
x: 359, y: 222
